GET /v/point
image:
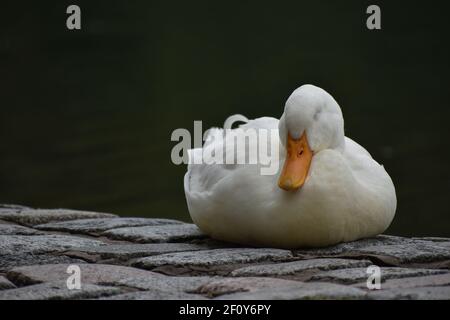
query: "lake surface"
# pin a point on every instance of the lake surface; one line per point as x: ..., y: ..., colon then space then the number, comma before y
x: 86, y: 116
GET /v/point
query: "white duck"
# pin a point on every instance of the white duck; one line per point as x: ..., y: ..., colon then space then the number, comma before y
x: 327, y: 190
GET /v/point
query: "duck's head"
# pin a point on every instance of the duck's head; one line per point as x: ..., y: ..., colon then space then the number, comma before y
x: 312, y: 121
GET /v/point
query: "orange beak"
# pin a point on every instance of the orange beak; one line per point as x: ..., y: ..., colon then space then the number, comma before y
x: 296, y: 165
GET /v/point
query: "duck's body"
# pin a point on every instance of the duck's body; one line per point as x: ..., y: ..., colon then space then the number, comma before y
x: 346, y: 194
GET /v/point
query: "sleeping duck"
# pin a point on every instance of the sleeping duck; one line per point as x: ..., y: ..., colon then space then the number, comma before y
x: 327, y: 189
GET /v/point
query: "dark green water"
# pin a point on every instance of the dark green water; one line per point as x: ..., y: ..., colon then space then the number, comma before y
x: 86, y: 116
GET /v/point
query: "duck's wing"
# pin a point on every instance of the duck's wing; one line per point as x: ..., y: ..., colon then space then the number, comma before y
x: 268, y: 123
x: 370, y: 175
x: 352, y: 148
x: 201, y: 178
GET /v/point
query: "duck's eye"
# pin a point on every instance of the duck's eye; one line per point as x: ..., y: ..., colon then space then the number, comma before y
x: 300, y: 153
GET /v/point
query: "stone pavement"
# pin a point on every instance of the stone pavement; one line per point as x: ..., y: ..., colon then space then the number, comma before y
x: 141, y: 258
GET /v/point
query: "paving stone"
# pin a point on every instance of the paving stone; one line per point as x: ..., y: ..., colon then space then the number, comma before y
x: 347, y: 247
x: 390, y: 250
x: 445, y: 244
x: 32, y: 217
x: 300, y: 291
x: 221, y: 286
x: 110, y: 275
x: 354, y: 275
x: 413, y: 253
x: 14, y: 229
x: 12, y: 207
x: 123, y: 252
x: 17, y: 250
x: 90, y: 273
x: 5, y: 283
x: 423, y: 293
x: 16, y: 244
x: 96, y: 226
x: 10, y: 261
x: 163, y: 233
x: 217, y: 257
x: 414, y: 282
x: 155, y: 295
x: 166, y: 283
x: 57, y: 291
x: 214, y: 243
x: 433, y: 239
x: 295, y: 267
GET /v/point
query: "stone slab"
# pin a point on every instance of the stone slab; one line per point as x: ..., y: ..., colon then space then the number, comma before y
x: 5, y: 283
x: 163, y: 233
x: 155, y: 295
x: 410, y: 253
x: 422, y: 293
x: 17, y: 244
x: 124, y: 252
x: 57, y: 291
x: 390, y: 250
x: 222, y: 286
x: 354, y: 275
x: 413, y: 282
x: 14, y: 229
x: 296, y: 267
x: 90, y: 273
x: 347, y: 247
x: 4, y: 206
x: 20, y: 250
x: 211, y: 258
x: 96, y: 226
x: 10, y: 261
x: 300, y: 291
x: 166, y: 283
x: 31, y: 217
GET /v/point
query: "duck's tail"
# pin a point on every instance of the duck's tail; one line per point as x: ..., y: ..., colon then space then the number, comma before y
x: 228, y: 124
